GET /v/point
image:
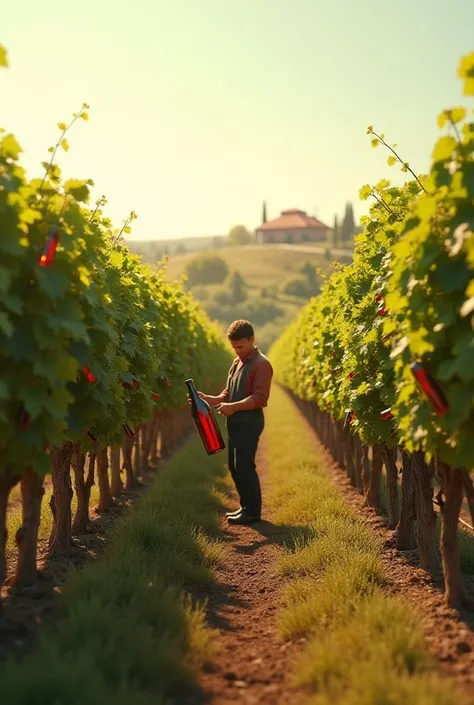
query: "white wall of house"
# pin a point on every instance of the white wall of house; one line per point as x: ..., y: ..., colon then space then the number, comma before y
x: 296, y: 235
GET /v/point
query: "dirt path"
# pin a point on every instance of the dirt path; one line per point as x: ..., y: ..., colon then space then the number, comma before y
x: 252, y: 664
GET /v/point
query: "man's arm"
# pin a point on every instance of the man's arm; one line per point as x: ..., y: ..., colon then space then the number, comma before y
x: 215, y: 401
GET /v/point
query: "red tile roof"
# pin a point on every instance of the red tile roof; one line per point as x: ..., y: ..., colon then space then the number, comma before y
x: 292, y: 219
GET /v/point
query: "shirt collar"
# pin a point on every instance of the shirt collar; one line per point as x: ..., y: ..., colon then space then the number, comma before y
x: 253, y: 353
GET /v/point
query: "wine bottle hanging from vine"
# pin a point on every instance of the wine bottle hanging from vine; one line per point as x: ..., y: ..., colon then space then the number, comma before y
x: 430, y: 387
x: 49, y: 251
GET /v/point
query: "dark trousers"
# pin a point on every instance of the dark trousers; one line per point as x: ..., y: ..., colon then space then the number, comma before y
x: 242, y: 447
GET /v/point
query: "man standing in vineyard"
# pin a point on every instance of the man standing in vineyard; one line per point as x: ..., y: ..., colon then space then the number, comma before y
x: 242, y: 401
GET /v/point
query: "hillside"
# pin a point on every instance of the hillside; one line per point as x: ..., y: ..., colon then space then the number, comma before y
x: 265, y: 270
x: 261, y: 266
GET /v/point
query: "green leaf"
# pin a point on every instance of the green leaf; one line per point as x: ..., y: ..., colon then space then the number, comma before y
x: 5, y: 278
x: 5, y: 325
x: 78, y: 189
x: 9, y: 147
x: 36, y: 400
x: 442, y: 119
x: 52, y: 281
x: 444, y: 149
x: 13, y: 302
x: 67, y: 368
x: 450, y: 276
x: 466, y: 72
x: 457, y: 114
x: 418, y: 343
x: 365, y: 192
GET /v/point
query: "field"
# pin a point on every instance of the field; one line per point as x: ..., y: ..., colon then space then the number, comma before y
x: 260, y: 265
x: 265, y: 270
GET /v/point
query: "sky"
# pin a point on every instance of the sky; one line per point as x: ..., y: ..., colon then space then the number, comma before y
x: 203, y: 109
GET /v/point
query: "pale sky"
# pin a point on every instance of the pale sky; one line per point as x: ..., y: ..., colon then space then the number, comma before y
x: 202, y: 109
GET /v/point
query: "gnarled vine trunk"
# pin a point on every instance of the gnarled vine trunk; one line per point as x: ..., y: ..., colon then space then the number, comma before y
x: 145, y: 449
x: 426, y: 515
x: 26, y: 538
x: 83, y: 489
x: 60, y: 538
x: 406, y: 539
x: 7, y: 482
x: 390, y: 460
x: 105, y: 495
x: 452, y: 492
x: 154, y: 436
x: 358, y: 464
x: 349, y: 457
x: 116, y: 485
x: 165, y: 437
x: 373, y: 497
x: 137, y: 457
x: 365, y: 468
x: 468, y: 491
x: 127, y: 450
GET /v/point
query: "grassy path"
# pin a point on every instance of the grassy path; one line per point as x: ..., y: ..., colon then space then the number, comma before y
x: 362, y: 645
x: 302, y: 603
x: 296, y: 609
x: 125, y: 632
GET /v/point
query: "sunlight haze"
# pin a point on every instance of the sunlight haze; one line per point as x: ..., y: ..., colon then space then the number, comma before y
x: 202, y: 109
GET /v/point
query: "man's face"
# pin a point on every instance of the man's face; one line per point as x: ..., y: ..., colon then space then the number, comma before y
x: 243, y: 347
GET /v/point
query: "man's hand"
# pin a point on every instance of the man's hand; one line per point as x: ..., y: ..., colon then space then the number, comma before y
x: 202, y: 395
x: 226, y: 409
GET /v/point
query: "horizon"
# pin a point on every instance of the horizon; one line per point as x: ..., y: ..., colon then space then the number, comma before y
x: 200, y: 113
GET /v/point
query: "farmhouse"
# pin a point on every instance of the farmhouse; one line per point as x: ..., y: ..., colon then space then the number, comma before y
x: 292, y: 226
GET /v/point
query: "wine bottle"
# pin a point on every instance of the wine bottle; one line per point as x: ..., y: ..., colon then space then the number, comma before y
x: 49, y: 251
x: 205, y: 422
x: 430, y: 387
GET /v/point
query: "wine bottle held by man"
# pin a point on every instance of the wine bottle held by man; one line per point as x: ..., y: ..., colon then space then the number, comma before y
x: 204, y: 421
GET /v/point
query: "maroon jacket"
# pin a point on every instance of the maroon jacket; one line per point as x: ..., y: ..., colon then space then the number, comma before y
x: 250, y: 377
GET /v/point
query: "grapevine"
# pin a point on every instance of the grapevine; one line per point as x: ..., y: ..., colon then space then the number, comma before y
x: 384, y: 356
x: 94, y: 351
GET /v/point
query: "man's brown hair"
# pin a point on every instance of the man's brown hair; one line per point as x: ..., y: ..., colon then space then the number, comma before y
x: 239, y: 330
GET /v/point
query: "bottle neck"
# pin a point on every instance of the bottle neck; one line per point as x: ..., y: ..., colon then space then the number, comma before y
x: 191, y: 388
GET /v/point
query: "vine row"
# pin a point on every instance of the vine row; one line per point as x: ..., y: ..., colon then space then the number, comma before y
x: 383, y: 359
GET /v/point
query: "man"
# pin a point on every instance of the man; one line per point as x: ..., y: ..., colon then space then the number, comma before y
x: 242, y: 402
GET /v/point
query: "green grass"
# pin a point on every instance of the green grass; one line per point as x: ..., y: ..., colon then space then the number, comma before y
x: 363, y: 645
x: 126, y: 632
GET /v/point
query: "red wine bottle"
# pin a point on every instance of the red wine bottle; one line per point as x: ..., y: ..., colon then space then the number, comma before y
x: 430, y: 387
x: 349, y: 418
x: 49, y: 251
x: 205, y: 422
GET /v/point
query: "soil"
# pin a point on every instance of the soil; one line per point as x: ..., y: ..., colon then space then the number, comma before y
x: 252, y: 663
